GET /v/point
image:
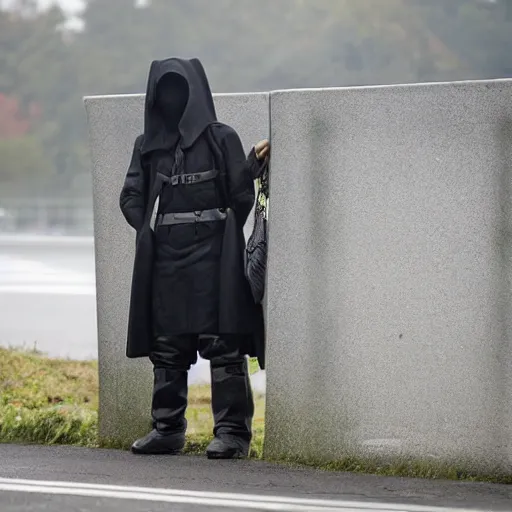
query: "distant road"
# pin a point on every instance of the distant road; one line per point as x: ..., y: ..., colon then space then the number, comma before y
x: 47, y: 294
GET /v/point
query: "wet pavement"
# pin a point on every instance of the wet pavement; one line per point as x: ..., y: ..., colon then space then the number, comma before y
x: 76, y: 479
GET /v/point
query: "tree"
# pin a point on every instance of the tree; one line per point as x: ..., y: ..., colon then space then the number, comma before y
x: 23, y: 164
x: 13, y: 123
x: 245, y: 46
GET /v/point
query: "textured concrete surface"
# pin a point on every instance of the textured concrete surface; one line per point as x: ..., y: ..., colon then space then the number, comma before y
x: 389, y: 301
x: 114, y: 122
x: 66, y: 464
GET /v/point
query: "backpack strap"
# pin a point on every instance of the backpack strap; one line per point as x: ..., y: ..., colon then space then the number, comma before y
x: 218, y: 159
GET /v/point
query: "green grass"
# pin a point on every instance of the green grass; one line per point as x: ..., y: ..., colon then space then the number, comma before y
x: 403, y: 468
x: 53, y: 401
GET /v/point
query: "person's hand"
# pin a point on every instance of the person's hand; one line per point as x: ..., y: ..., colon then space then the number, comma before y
x: 262, y: 149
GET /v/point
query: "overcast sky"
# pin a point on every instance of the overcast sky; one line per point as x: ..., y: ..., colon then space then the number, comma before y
x: 71, y: 7
x: 68, y: 5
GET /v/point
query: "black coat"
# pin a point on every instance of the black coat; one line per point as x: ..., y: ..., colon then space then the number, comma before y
x: 189, y: 278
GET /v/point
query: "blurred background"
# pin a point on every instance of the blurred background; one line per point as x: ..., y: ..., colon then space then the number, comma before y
x: 54, y: 53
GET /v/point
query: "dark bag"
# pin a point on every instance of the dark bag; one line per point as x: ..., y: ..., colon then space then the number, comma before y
x: 252, y: 345
x: 257, y: 245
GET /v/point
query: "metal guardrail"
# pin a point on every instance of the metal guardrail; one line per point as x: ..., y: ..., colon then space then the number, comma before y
x: 42, y: 240
x: 66, y: 216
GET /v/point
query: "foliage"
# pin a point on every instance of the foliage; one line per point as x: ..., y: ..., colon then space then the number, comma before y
x: 404, y: 467
x: 23, y: 164
x: 244, y: 45
x: 13, y: 122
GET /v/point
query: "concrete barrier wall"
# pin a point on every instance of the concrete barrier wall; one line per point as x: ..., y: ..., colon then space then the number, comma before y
x: 389, y: 300
x: 114, y: 122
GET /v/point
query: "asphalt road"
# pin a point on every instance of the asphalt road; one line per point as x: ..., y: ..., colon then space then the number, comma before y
x: 56, y: 479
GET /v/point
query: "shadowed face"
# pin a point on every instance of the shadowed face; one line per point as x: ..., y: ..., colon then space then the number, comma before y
x: 171, y: 97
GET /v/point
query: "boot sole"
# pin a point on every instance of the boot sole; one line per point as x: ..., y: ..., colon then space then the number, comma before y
x: 230, y: 454
x: 159, y: 452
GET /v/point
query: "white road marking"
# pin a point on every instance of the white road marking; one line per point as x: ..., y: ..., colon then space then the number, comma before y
x: 46, y: 240
x: 219, y: 499
x: 48, y: 290
x: 23, y: 276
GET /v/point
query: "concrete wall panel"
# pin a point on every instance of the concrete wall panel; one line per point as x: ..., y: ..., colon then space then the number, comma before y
x: 114, y: 122
x: 389, y: 300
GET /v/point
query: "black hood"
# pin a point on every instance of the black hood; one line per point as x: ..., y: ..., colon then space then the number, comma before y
x: 198, y: 113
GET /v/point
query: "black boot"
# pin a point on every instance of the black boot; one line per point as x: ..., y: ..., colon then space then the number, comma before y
x: 168, y: 413
x: 233, y: 407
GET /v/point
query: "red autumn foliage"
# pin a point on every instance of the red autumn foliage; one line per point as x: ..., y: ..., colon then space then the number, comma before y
x: 13, y: 122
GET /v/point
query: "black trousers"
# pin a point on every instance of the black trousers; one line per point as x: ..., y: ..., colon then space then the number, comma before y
x: 232, y: 400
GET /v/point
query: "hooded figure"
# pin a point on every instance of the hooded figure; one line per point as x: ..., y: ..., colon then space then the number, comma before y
x: 189, y: 291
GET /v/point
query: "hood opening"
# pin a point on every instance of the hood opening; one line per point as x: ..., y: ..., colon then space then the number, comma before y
x: 179, y: 104
x: 171, y: 98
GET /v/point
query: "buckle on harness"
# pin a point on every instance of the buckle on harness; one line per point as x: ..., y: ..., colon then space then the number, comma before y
x: 188, y: 179
x: 184, y: 179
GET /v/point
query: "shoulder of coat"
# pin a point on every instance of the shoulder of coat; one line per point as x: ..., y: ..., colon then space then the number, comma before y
x: 221, y: 128
x: 138, y: 141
